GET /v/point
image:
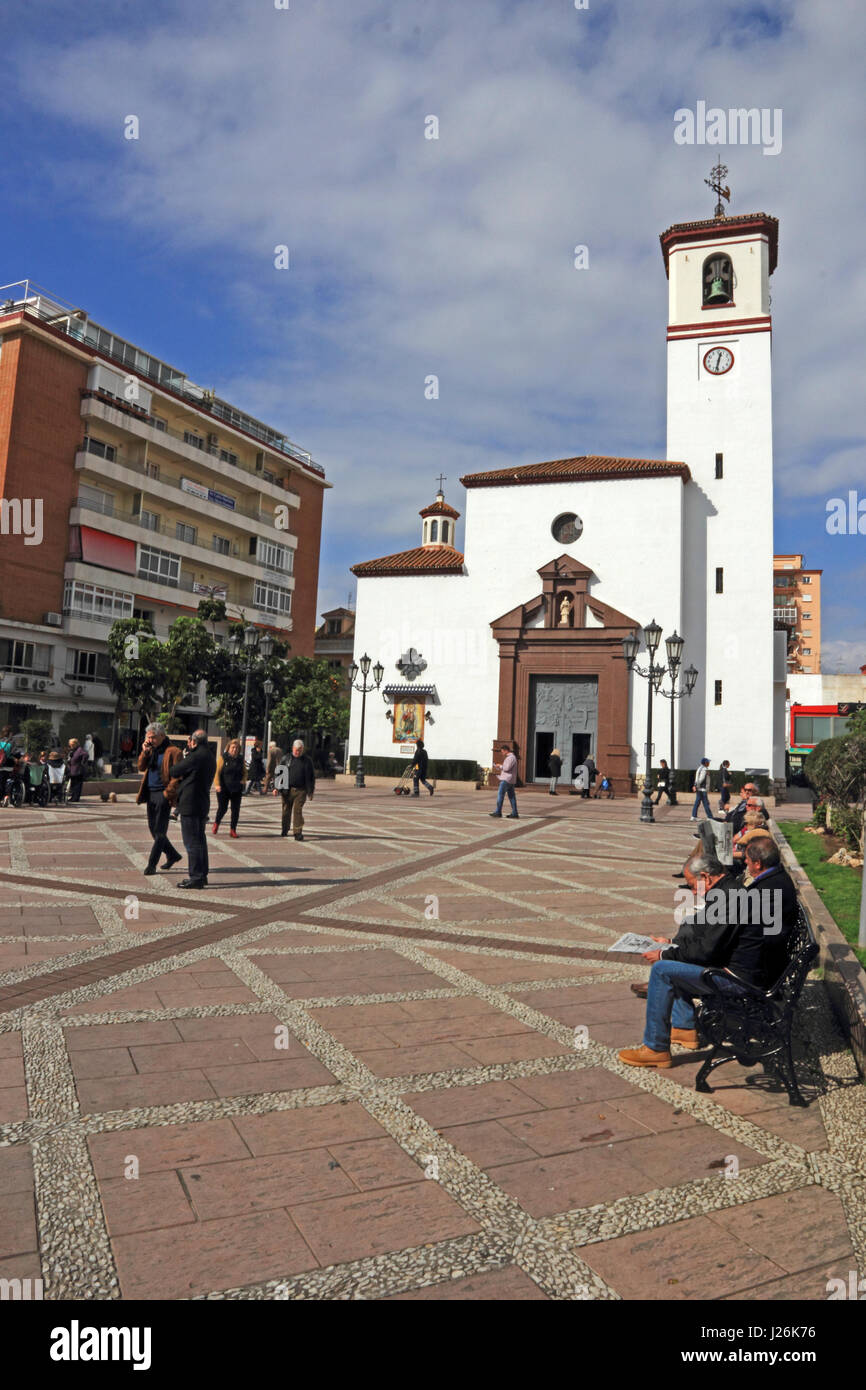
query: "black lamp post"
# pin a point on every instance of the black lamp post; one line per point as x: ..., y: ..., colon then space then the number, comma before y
x: 674, y: 647
x: 653, y: 676
x: 252, y: 642
x: 268, y: 688
x: 364, y: 688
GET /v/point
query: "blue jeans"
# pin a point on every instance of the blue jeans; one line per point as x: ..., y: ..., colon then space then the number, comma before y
x: 506, y: 788
x: 666, y: 1007
x: 702, y: 800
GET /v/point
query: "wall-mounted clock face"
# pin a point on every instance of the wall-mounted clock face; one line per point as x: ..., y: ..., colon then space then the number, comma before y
x: 718, y: 360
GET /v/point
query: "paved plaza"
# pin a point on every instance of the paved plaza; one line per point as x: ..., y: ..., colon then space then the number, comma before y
x: 381, y: 1063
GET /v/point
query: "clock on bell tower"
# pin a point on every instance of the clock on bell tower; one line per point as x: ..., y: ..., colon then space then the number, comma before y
x: 719, y: 422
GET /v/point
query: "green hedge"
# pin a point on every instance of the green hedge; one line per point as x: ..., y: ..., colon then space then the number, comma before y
x: 684, y: 780
x: 444, y: 769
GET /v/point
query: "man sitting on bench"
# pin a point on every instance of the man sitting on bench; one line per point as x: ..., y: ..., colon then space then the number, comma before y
x: 743, y: 930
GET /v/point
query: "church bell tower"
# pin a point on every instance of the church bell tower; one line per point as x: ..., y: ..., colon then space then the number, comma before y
x: 719, y: 422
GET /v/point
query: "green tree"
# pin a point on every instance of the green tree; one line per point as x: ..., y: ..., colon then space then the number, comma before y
x: 213, y: 611
x: 37, y: 734
x: 837, y: 770
x: 136, y: 673
x: 227, y: 680
x: 187, y: 655
x: 314, y: 703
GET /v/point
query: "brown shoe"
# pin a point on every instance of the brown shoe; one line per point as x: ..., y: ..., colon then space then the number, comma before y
x: 686, y: 1037
x: 641, y: 990
x: 644, y: 1057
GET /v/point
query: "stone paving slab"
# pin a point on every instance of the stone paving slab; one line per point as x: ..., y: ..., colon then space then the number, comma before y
x: 350, y: 1069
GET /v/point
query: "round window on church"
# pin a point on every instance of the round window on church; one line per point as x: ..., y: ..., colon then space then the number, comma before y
x: 567, y: 528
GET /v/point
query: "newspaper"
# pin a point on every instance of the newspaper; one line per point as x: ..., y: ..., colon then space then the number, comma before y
x: 630, y: 941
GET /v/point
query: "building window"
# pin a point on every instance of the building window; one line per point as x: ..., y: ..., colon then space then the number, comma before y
x: 270, y: 598
x: 335, y: 626
x: 268, y: 477
x: 434, y: 530
x: 95, y: 499
x: 718, y: 694
x: 86, y: 666
x: 720, y: 465
x: 807, y: 651
x: 100, y: 448
x: 196, y: 440
x: 720, y: 580
x: 805, y: 598
x: 158, y: 423
x: 806, y: 579
x: 93, y: 601
x: 33, y: 657
x: 274, y: 557
x: 222, y: 545
x: 150, y: 521
x: 160, y: 566
x: 151, y: 470
x: 227, y: 456
x: 185, y: 533
x: 144, y: 615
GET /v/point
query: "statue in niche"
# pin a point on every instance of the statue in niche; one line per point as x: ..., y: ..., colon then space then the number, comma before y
x: 565, y: 607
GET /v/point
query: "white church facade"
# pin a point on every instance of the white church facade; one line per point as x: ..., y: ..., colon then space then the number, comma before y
x: 517, y: 638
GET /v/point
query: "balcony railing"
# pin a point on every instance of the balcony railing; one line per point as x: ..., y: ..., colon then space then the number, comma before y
x: 784, y: 615
x: 122, y: 459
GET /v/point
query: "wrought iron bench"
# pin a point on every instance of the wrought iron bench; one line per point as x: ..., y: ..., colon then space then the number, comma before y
x: 754, y: 1025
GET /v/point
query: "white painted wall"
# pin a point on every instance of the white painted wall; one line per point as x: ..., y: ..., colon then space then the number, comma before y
x: 729, y: 521
x: 631, y: 540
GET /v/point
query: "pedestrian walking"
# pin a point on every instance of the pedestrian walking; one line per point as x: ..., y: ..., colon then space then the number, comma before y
x: 419, y: 769
x: 195, y: 772
x: 156, y: 761
x: 229, y: 786
x: 507, y: 770
x: 700, y: 787
x: 725, y: 781
x: 554, y: 767
x: 275, y: 754
x: 296, y: 781
x: 77, y: 767
x: 591, y: 773
x: 256, y: 768
x: 664, y: 784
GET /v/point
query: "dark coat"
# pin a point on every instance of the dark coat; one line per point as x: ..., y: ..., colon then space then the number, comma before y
x: 257, y: 764
x: 230, y: 773
x: 78, y: 762
x: 195, y: 773
x: 555, y: 764
x: 299, y: 772
x: 421, y: 761
x: 742, y: 946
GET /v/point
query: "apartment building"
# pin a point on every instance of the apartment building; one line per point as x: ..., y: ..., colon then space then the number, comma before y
x: 797, y: 609
x: 128, y: 491
x: 335, y: 640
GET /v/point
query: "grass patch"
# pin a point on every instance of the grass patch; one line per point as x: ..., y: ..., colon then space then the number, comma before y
x: 837, y: 885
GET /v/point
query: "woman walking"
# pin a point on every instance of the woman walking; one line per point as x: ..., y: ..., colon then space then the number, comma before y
x: 229, y: 786
x: 256, y: 769
x: 725, y: 780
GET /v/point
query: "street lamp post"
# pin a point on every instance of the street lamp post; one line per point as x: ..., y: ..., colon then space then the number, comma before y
x: 252, y: 642
x: 268, y: 688
x: 653, y: 676
x: 674, y: 646
x: 364, y: 689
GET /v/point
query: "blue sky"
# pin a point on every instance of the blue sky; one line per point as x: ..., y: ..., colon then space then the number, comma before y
x: 410, y: 257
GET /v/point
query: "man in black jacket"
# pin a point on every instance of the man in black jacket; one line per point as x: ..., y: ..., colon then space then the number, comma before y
x: 743, y: 930
x: 195, y: 772
x: 419, y: 769
x: 295, y: 779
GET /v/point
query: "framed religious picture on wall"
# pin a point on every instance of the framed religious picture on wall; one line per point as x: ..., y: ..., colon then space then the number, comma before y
x: 408, y: 721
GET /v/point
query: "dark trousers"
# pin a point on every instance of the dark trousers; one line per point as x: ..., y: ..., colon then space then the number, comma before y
x: 192, y: 828
x: 158, y: 811
x: 75, y: 785
x: 255, y: 784
x: 226, y: 799
x: 663, y: 790
x: 416, y: 778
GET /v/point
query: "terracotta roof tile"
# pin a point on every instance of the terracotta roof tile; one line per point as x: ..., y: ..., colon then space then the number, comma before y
x: 424, y: 559
x: 732, y: 226
x: 439, y: 509
x: 587, y: 468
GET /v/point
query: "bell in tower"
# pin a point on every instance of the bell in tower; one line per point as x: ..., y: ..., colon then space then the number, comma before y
x: 718, y: 280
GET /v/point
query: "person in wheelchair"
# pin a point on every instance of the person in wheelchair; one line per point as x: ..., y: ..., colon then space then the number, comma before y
x: 11, y: 781
x: 56, y: 775
x: 36, y: 788
x: 742, y: 931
